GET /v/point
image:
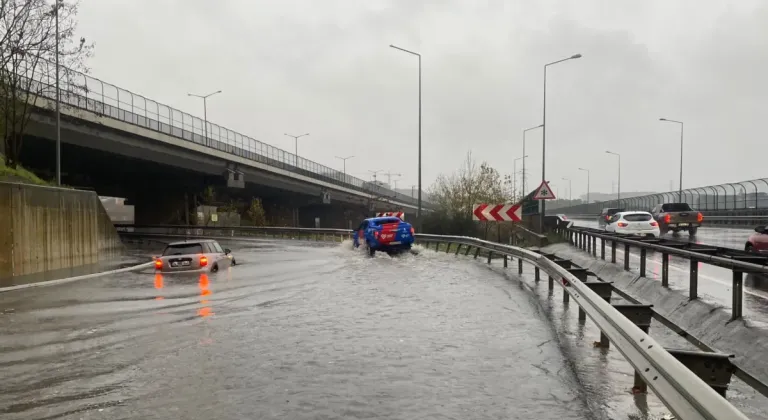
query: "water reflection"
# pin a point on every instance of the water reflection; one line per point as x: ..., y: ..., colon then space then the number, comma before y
x: 205, y: 293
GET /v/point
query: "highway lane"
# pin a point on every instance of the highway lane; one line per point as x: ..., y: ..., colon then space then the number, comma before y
x: 714, y: 282
x: 296, y: 332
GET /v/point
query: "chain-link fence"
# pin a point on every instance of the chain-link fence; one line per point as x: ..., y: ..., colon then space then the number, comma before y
x: 744, y: 195
x: 85, y: 92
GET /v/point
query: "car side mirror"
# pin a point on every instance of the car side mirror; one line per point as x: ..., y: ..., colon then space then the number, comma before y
x: 227, y: 251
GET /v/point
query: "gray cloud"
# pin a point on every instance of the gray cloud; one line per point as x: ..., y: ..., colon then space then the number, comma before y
x: 325, y: 67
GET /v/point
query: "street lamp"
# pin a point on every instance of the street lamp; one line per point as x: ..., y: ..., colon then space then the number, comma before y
x: 544, y: 136
x: 418, y: 211
x: 205, y: 111
x: 58, y: 102
x: 524, y: 155
x: 344, y: 159
x: 587, y: 171
x: 570, y: 189
x: 514, y: 176
x: 296, y: 144
x: 618, y: 193
x: 680, y: 186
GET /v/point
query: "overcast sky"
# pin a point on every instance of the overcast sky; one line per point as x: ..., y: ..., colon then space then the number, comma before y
x: 324, y: 67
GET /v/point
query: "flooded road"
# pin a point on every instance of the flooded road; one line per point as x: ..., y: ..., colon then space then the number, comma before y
x: 292, y: 332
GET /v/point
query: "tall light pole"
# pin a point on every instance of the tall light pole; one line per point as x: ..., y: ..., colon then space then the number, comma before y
x: 524, y: 155
x: 296, y: 145
x: 418, y: 211
x: 58, y: 100
x: 680, y: 186
x: 389, y: 177
x: 514, y: 176
x: 205, y: 110
x: 587, y: 171
x: 344, y: 159
x: 570, y: 189
x: 544, y: 136
x: 618, y: 192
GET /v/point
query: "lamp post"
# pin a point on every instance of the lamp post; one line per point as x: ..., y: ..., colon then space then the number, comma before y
x: 618, y: 192
x: 680, y: 186
x: 344, y: 159
x: 570, y: 189
x: 514, y: 176
x: 58, y: 101
x: 205, y: 111
x: 296, y: 145
x: 524, y: 155
x: 418, y: 211
x: 544, y: 136
x: 587, y: 171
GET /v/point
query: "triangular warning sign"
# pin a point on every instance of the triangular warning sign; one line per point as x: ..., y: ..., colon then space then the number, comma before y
x: 544, y: 192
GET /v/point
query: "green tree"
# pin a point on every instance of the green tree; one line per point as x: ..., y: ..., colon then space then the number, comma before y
x: 29, y: 42
x: 256, y: 213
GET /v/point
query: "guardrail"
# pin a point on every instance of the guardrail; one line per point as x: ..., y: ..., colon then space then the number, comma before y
x: 709, y: 220
x: 684, y: 393
x: 739, y: 262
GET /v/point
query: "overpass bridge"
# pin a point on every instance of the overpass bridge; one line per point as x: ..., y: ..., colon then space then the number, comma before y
x: 127, y: 145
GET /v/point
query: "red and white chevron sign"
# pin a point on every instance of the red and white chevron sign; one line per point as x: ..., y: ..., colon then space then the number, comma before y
x: 497, y: 212
x: 399, y: 214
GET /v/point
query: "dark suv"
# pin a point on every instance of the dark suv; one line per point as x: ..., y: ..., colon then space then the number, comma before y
x: 606, y: 214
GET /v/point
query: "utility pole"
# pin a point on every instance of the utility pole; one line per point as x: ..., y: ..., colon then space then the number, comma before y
x: 58, y: 101
x: 389, y: 177
x: 296, y: 140
x: 205, y: 112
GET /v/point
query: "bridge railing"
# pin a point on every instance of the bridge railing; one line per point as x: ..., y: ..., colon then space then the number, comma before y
x: 745, y: 195
x: 82, y: 91
x: 684, y: 393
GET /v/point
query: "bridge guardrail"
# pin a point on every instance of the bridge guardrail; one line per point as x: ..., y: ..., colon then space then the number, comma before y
x: 739, y: 262
x: 685, y: 394
x: 709, y: 220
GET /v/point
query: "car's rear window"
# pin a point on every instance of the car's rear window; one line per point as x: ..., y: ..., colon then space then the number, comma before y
x: 387, y: 220
x: 637, y: 217
x: 611, y: 212
x: 673, y: 207
x: 183, y: 249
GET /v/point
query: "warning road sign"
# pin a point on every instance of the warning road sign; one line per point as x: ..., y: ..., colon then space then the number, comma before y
x: 544, y: 192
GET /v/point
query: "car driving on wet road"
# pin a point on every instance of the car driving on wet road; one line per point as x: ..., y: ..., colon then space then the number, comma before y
x: 388, y: 234
x: 194, y: 255
x: 639, y: 223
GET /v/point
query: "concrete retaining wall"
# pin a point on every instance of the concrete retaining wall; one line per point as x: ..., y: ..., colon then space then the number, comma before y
x: 44, y: 229
x: 709, y: 323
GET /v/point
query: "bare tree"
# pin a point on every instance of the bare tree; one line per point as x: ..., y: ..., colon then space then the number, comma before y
x: 29, y: 45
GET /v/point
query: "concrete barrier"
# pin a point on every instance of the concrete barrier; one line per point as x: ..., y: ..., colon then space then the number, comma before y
x: 46, y: 229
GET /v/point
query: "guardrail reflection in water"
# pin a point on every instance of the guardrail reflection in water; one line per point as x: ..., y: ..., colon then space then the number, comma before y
x: 686, y: 395
x: 88, y: 93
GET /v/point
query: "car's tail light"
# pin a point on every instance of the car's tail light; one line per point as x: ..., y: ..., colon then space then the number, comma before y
x: 158, y: 264
x: 699, y: 217
x: 413, y: 231
x: 203, y: 261
x: 622, y: 224
x: 376, y: 234
x: 667, y: 219
x: 654, y: 223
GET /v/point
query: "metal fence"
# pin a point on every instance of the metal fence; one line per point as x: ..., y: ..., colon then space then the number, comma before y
x: 745, y: 195
x: 85, y: 92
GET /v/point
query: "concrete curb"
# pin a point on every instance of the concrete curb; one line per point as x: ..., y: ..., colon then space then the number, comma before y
x: 71, y: 279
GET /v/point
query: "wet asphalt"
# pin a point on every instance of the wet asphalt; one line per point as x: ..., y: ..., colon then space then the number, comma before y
x: 307, y: 332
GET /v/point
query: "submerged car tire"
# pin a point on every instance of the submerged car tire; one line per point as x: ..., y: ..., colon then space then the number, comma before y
x: 234, y: 261
x: 749, y: 248
x: 215, y: 268
x: 692, y: 231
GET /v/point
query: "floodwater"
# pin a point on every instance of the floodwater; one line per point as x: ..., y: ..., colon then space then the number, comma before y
x: 294, y: 331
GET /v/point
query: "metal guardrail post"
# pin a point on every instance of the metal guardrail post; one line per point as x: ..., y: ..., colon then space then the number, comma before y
x: 458, y: 248
x: 643, y: 254
x: 477, y: 252
x: 693, y: 287
x: 448, y: 247
x: 505, y: 260
x: 490, y: 254
x: 613, y: 252
x: 737, y: 294
x: 467, y: 251
x: 664, y: 269
x: 520, y: 266
x: 602, y: 249
x: 626, y: 257
x: 594, y: 246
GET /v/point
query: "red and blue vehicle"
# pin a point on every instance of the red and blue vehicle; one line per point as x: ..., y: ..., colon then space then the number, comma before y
x: 387, y: 234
